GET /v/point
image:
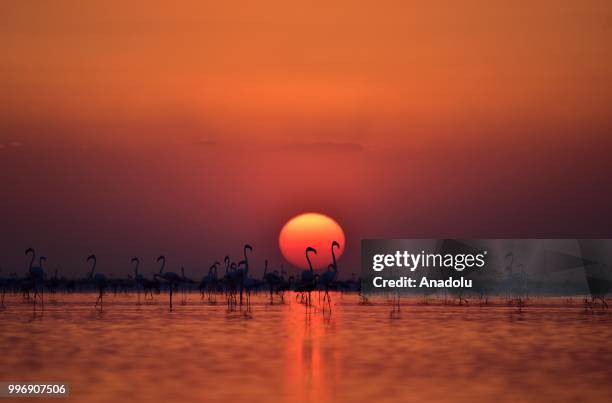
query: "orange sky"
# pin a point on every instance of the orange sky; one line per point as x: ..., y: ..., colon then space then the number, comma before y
x: 232, y: 65
x: 151, y: 121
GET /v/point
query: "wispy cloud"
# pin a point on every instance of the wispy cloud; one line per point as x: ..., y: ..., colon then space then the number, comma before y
x: 325, y: 146
x: 205, y: 142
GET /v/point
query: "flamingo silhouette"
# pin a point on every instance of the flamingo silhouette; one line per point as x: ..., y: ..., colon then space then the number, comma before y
x: 249, y: 283
x: 3, y: 283
x: 209, y: 282
x: 308, y: 277
x: 228, y: 280
x: 599, y: 281
x: 242, y: 273
x: 328, y: 279
x: 272, y: 279
x: 284, y: 285
x: 231, y: 282
x: 37, y: 277
x: 138, y: 279
x: 213, y: 284
x: 169, y: 277
x: 516, y: 282
x: 184, y: 281
x: 98, y: 279
x: 53, y: 283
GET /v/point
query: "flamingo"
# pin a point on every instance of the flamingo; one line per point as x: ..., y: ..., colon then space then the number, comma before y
x: 509, y: 267
x: 169, y: 277
x: 249, y: 283
x: 599, y: 281
x: 3, y: 282
x: 209, y: 282
x: 244, y: 272
x: 184, y: 281
x: 284, y: 285
x: 226, y: 277
x: 330, y: 276
x: 53, y: 283
x: 272, y: 279
x: 214, y: 282
x: 308, y: 276
x: 516, y: 281
x: 98, y: 279
x: 37, y: 276
x: 231, y: 280
x: 138, y: 279
x: 149, y: 286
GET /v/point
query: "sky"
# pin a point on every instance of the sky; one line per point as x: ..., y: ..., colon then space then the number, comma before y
x: 190, y: 128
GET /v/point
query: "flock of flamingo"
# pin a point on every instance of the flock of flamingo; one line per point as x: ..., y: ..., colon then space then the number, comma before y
x: 236, y: 284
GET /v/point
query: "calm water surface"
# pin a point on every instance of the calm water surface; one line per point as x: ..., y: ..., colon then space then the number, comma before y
x: 203, y: 352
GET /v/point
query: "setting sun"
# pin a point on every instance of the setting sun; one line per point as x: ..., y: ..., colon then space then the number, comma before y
x: 310, y: 229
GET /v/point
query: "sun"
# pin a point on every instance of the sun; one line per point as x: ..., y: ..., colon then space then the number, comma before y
x: 310, y: 229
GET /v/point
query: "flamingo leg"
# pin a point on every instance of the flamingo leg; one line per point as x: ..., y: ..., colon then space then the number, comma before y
x: 328, y: 298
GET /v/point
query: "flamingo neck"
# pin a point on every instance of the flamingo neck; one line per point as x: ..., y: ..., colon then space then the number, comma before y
x: 333, y: 256
x: 32, y: 260
x: 246, y: 261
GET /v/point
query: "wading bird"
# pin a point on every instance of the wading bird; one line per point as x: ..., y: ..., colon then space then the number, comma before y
x: 309, y: 279
x: 98, y: 279
x: 284, y: 285
x: 249, y: 283
x: 53, y: 283
x: 329, y: 278
x: 243, y: 270
x: 184, y: 281
x: 170, y: 277
x: 272, y: 279
x: 231, y: 282
x: 599, y: 281
x: 37, y: 277
x: 3, y: 284
x: 138, y: 279
x: 209, y: 282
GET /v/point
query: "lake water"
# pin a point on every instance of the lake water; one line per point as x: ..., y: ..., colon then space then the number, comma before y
x: 551, y: 351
